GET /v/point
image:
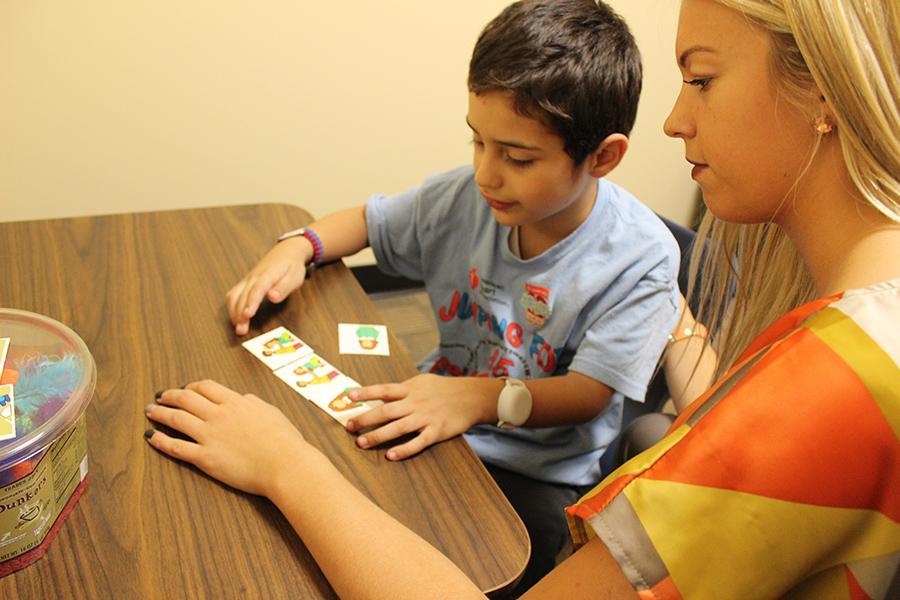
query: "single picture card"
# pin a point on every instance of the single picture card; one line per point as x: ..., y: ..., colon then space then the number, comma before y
x: 321, y: 383
x: 335, y: 400
x: 342, y: 409
x: 277, y: 348
x: 309, y: 372
x: 7, y: 413
x: 360, y: 338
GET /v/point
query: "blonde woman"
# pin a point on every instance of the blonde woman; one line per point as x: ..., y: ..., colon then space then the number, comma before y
x: 783, y: 478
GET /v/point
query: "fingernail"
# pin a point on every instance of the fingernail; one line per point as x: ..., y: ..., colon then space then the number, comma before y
x: 149, y: 433
x: 354, y: 395
x: 149, y: 407
x: 391, y: 455
x: 158, y: 394
x: 363, y: 442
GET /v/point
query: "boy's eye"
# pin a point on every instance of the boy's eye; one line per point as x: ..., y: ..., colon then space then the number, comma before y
x: 700, y: 82
x: 519, y: 162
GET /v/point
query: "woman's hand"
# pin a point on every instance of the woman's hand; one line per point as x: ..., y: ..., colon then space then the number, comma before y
x: 239, y: 439
x: 436, y: 407
x: 281, y: 271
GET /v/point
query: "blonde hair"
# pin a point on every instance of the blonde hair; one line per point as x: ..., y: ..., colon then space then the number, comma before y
x: 849, y: 50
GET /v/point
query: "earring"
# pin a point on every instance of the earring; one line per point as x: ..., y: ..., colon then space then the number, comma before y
x: 823, y: 125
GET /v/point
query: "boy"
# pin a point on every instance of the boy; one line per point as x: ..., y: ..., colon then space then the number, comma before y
x: 554, y: 290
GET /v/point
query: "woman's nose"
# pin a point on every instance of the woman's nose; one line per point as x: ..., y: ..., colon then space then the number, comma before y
x: 679, y: 124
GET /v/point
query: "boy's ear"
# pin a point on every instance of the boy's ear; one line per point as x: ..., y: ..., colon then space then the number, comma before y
x: 608, y: 154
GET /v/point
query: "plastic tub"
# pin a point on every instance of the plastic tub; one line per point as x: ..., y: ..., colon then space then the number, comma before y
x: 50, y: 376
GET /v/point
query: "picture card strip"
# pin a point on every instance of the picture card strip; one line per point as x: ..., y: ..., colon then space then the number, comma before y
x: 277, y: 347
x: 324, y: 385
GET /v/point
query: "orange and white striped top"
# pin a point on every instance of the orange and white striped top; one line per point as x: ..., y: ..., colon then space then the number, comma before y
x: 783, y: 479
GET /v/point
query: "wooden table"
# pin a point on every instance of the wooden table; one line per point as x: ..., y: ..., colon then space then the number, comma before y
x: 146, y: 293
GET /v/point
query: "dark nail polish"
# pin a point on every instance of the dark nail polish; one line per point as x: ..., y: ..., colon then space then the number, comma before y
x: 149, y: 433
x: 158, y: 394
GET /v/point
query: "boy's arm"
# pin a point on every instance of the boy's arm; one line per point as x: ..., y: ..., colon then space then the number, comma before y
x: 440, y: 407
x: 342, y: 233
x: 283, y: 269
x: 564, y: 400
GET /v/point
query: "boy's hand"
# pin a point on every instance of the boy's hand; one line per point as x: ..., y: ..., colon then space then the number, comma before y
x: 436, y: 407
x: 279, y: 273
x: 238, y: 438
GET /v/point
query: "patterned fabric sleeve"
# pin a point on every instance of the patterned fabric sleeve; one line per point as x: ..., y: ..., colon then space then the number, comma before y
x: 784, y: 479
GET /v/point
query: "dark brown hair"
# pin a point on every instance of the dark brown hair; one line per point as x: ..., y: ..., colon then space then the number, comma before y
x: 572, y: 64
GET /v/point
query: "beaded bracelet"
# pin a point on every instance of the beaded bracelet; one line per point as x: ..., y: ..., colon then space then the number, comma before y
x: 318, y: 250
x: 688, y: 332
x: 310, y: 235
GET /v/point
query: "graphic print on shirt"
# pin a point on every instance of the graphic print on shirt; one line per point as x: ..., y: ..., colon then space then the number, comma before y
x: 505, y: 346
x: 536, y: 302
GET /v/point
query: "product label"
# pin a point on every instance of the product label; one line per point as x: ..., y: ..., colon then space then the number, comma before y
x: 7, y: 412
x: 29, y: 506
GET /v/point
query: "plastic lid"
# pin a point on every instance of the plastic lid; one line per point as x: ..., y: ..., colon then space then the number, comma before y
x: 56, y: 379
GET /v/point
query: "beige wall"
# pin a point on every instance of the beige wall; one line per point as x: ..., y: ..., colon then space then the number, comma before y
x: 135, y: 105
x: 655, y: 169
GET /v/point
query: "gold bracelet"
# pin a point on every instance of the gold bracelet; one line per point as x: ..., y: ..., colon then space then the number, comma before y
x: 688, y: 332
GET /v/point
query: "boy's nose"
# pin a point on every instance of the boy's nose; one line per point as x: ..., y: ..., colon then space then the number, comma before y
x: 486, y: 174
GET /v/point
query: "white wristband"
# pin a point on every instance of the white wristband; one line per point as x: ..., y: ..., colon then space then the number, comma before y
x: 513, y: 404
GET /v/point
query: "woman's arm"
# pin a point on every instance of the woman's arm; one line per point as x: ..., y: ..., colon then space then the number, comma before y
x: 249, y: 444
x: 365, y: 553
x: 591, y: 572
x: 689, y: 362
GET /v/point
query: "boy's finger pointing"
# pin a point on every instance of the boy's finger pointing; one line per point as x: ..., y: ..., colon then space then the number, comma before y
x: 377, y: 416
x: 387, y: 392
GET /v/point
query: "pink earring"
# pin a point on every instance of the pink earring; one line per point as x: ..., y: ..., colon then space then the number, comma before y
x: 823, y: 125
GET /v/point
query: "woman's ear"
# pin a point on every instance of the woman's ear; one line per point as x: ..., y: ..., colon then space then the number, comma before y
x: 608, y: 155
x: 823, y: 119
x: 816, y: 106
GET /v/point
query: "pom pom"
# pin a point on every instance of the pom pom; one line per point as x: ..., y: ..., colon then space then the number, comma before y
x: 44, y: 385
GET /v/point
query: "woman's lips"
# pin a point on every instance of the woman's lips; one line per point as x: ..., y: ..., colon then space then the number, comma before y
x: 698, y: 170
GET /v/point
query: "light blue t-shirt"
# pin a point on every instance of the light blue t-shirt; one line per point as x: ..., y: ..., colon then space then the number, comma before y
x: 600, y: 302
